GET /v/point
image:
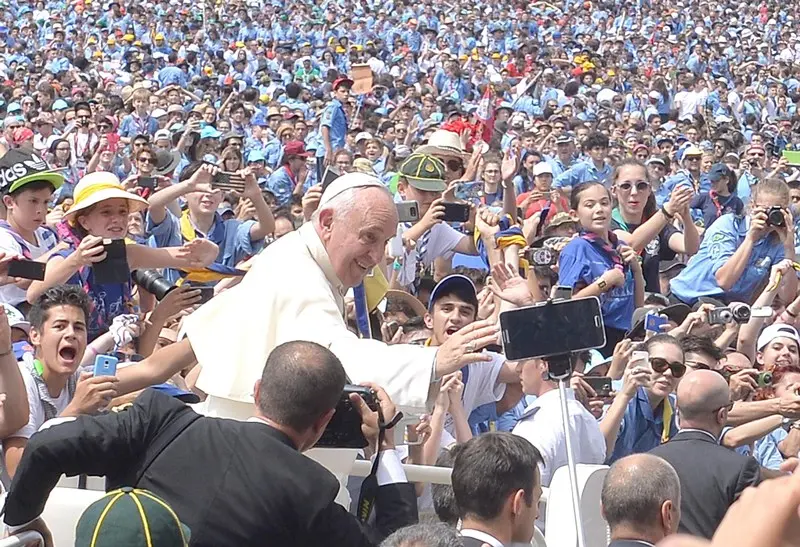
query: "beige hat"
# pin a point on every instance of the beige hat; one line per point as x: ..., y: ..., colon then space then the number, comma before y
x: 347, y: 182
x: 442, y: 143
x: 101, y: 186
x: 363, y: 165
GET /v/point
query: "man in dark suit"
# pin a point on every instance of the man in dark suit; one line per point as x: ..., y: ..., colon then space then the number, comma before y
x: 641, y: 500
x: 712, y: 477
x: 233, y: 483
x: 497, y: 487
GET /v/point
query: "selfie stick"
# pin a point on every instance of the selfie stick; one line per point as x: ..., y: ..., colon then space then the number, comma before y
x: 560, y: 369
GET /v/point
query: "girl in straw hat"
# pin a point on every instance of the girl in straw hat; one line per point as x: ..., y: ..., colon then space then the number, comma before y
x: 100, y: 212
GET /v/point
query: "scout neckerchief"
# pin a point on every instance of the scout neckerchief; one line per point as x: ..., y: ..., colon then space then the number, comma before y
x: 189, y: 232
x: 667, y: 418
x: 608, y: 248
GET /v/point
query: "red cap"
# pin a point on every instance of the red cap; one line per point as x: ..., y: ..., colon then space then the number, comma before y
x: 342, y: 81
x: 295, y: 148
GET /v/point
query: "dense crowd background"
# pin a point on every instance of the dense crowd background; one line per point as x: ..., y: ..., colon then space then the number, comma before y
x: 646, y: 153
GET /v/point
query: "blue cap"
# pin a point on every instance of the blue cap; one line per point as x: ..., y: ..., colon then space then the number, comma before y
x: 451, y: 283
x: 60, y: 104
x: 172, y: 391
x: 259, y: 120
x: 719, y: 170
x: 256, y: 155
x: 209, y: 132
x: 14, y: 107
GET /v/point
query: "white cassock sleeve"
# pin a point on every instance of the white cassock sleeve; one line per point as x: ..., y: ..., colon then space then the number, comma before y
x: 233, y: 334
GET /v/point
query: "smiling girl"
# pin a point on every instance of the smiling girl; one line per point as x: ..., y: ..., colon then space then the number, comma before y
x: 598, y: 264
x: 101, y: 212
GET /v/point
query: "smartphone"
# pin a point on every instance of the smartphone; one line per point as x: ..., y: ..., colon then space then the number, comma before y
x: 329, y: 176
x: 344, y: 428
x: 230, y: 182
x: 407, y: 211
x: 653, y: 322
x: 147, y: 182
x: 640, y: 359
x: 562, y: 292
x: 206, y: 293
x: 455, y: 212
x: 105, y: 365
x: 600, y: 384
x: 27, y: 269
x: 114, y: 269
x: 552, y: 328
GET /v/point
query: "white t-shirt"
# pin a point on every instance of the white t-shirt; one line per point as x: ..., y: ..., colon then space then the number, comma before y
x: 35, y: 408
x: 46, y: 239
x: 687, y: 102
x: 481, y: 387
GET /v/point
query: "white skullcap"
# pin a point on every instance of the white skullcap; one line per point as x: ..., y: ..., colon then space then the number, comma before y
x: 346, y: 182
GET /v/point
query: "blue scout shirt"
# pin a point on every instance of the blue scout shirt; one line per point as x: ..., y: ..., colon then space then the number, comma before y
x: 584, y: 171
x: 582, y: 262
x: 642, y: 426
x: 719, y: 243
x: 232, y: 237
x: 335, y: 119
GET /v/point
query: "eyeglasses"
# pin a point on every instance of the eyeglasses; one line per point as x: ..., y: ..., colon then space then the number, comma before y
x: 729, y: 407
x: 661, y: 365
x: 693, y: 158
x: 641, y: 186
x: 696, y: 365
x: 148, y: 160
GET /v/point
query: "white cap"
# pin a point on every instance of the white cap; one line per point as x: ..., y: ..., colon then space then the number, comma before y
x: 16, y: 319
x: 363, y: 136
x: 162, y: 134
x: 654, y: 95
x: 542, y: 168
x: 347, y: 182
x: 722, y: 118
x: 158, y: 112
x: 777, y: 330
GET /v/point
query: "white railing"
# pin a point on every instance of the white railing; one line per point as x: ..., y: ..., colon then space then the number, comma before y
x: 23, y: 539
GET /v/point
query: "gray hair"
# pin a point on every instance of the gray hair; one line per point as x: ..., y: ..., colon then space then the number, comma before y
x: 634, y: 490
x: 424, y: 535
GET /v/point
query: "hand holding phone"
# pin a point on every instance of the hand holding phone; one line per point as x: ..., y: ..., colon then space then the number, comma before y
x: 654, y: 322
x: 105, y: 365
x: 27, y: 269
x: 114, y: 268
x: 455, y: 212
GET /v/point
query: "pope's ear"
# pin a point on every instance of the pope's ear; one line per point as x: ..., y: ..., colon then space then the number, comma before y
x: 326, y: 218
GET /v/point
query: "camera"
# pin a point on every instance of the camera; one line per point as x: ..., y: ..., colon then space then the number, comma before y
x: 764, y: 378
x: 153, y: 282
x: 344, y: 429
x: 775, y: 217
x: 737, y: 312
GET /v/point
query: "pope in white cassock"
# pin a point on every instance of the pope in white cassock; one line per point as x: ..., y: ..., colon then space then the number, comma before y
x: 295, y: 291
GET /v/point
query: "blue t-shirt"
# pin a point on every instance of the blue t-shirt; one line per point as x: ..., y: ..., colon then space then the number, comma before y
x: 719, y: 243
x: 642, y: 426
x: 581, y: 262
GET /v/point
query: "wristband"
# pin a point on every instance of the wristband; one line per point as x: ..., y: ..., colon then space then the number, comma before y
x: 666, y: 213
x: 791, y: 313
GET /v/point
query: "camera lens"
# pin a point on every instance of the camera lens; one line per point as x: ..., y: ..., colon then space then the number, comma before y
x: 775, y: 217
x: 153, y: 282
x: 764, y: 378
x: 741, y: 313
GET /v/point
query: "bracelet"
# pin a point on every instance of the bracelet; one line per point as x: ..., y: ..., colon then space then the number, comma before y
x: 791, y: 313
x: 666, y: 213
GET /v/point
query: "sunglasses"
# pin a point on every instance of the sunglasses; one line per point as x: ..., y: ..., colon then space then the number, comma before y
x: 641, y: 186
x: 454, y: 165
x: 126, y: 358
x: 661, y: 365
x: 148, y: 160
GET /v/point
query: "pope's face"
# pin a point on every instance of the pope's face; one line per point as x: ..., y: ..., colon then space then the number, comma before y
x: 356, y: 237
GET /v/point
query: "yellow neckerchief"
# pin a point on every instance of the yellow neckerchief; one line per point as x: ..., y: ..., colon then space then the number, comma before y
x: 667, y: 417
x: 187, y: 228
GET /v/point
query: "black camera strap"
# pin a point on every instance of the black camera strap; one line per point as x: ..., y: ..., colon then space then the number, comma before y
x: 369, y: 488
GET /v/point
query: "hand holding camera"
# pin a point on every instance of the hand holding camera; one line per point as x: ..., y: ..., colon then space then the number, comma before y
x: 370, y: 419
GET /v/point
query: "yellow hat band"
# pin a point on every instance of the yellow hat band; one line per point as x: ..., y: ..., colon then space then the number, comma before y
x: 87, y: 192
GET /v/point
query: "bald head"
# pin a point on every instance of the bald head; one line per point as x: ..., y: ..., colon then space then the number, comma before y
x: 301, y: 382
x: 700, y: 393
x: 634, y: 492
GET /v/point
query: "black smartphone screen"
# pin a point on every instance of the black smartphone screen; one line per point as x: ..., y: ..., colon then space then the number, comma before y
x: 114, y: 269
x: 455, y: 212
x: 552, y: 328
x: 206, y: 294
x: 600, y: 384
x: 329, y: 176
x: 27, y: 269
x: 147, y: 182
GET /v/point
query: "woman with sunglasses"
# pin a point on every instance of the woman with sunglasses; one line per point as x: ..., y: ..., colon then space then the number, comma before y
x: 642, y: 415
x: 649, y: 231
x: 598, y: 263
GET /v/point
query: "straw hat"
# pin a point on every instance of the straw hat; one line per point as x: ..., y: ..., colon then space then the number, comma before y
x: 442, y: 143
x: 101, y: 186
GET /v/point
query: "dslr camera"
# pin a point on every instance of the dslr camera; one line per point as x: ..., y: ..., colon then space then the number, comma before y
x: 775, y: 217
x: 344, y: 429
x: 153, y: 282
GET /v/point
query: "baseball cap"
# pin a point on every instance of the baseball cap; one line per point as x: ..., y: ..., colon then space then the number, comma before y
x: 542, y: 168
x: 452, y: 283
x: 564, y: 139
x: 60, y: 104
x: 19, y: 167
x: 719, y: 170
x: 342, y: 81
x: 295, y: 148
x: 130, y: 517
x: 256, y: 156
x: 777, y: 330
x: 162, y: 134
x: 363, y: 136
x: 15, y: 318
x: 424, y: 172
x: 209, y: 132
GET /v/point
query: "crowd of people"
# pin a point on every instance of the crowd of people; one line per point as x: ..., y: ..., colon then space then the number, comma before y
x: 246, y: 206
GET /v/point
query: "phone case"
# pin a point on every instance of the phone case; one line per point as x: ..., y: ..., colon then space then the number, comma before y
x: 105, y: 365
x: 114, y: 269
